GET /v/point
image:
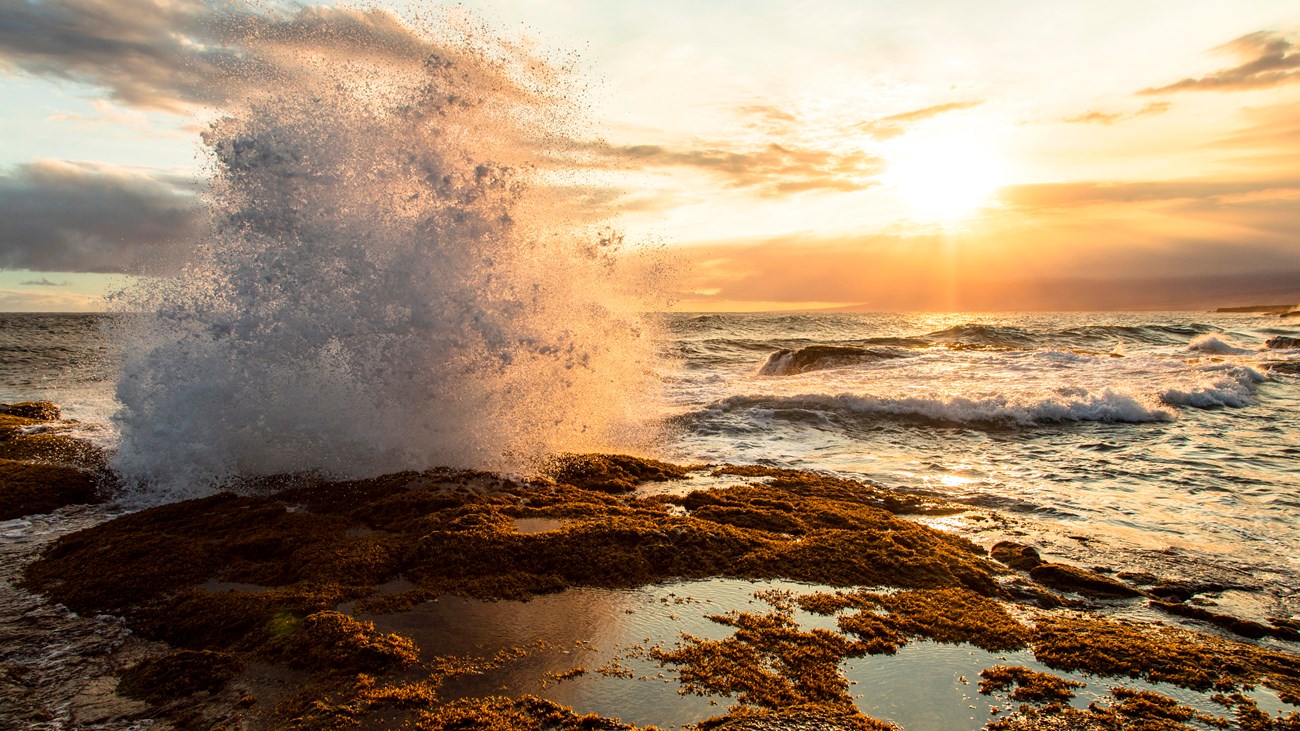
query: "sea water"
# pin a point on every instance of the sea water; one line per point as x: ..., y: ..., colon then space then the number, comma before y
x: 1168, y: 433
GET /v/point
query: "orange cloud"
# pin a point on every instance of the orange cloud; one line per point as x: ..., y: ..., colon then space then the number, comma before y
x: 1272, y: 60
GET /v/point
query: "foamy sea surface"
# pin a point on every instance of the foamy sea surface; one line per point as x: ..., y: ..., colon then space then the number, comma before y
x: 1149, y: 441
x: 1165, y: 429
x: 1159, y: 431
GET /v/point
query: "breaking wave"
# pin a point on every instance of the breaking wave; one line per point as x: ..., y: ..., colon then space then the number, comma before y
x: 1068, y: 406
x: 790, y: 361
x: 384, y: 289
x: 1216, y: 345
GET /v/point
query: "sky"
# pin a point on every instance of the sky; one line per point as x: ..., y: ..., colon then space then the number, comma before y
x: 933, y: 155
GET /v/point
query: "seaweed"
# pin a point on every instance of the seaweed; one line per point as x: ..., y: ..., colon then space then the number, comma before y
x: 1028, y: 685
x: 179, y: 674
x: 1163, y: 654
x: 1080, y: 581
x: 29, y: 489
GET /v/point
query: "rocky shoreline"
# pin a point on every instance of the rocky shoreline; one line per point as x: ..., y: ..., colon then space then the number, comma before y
x: 254, y: 610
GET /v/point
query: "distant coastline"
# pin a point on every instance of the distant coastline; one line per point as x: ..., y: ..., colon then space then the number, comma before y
x: 1283, y: 310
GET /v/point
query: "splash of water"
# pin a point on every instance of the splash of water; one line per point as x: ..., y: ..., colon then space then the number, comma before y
x: 382, y: 292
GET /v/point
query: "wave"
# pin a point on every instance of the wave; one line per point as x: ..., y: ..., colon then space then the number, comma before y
x: 385, y: 289
x: 985, y: 335
x: 788, y: 361
x: 1075, y: 405
x: 1215, y: 345
x: 1235, y: 389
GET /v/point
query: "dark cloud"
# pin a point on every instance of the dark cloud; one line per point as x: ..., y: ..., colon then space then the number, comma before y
x: 1109, y: 118
x: 59, y: 216
x: 1272, y: 59
x: 896, y: 124
x: 45, y: 282
x: 167, y: 54
x: 771, y: 170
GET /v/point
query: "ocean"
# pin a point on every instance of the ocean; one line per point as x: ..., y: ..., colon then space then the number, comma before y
x: 1145, y: 431
x: 1162, y: 442
x: 1152, y: 431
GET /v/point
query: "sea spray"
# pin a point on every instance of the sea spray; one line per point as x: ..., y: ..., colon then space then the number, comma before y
x: 379, y: 292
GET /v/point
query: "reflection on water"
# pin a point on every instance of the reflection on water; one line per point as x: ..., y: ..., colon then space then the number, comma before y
x: 590, y: 628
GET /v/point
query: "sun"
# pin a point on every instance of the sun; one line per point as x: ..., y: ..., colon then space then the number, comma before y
x: 943, y: 176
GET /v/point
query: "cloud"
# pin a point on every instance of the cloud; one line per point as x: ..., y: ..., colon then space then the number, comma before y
x: 769, y: 113
x: 1081, y: 270
x: 771, y: 170
x: 1065, y: 195
x: 45, y: 282
x: 1109, y: 118
x: 171, y: 54
x: 897, y: 124
x: 1271, y: 60
x: 79, y: 217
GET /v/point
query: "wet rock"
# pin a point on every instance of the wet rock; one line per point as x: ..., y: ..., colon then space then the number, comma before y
x: 53, y: 448
x: 179, y: 674
x: 1017, y: 556
x: 35, y: 410
x: 1031, y: 593
x: 1139, y: 578
x: 1080, y: 581
x: 99, y: 702
x: 1289, y: 367
x: 31, y: 489
x: 614, y: 473
x: 1243, y: 627
x: 1180, y: 591
x: 1282, y: 342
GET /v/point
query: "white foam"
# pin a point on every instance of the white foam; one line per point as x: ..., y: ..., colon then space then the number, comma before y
x: 1235, y: 389
x: 1215, y: 345
x: 381, y: 293
x: 1069, y: 405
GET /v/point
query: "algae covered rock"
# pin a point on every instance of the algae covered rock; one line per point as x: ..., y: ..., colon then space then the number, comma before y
x: 1015, y: 555
x: 35, y: 410
x: 612, y: 472
x: 1081, y: 581
x: 29, y: 489
x: 179, y: 674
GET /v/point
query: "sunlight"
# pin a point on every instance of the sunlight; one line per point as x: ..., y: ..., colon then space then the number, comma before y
x: 943, y: 176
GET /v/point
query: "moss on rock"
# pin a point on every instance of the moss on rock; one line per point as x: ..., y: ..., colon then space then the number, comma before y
x: 29, y: 489
x: 1080, y: 581
x: 33, y: 410
x: 1027, y: 685
x: 179, y: 674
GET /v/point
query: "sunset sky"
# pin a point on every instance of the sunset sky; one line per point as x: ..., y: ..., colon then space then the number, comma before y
x: 936, y: 155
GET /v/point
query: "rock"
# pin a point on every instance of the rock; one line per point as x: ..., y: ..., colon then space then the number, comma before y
x: 99, y: 702
x: 1016, y: 555
x: 30, y: 489
x: 38, y: 410
x: 59, y: 449
x: 1236, y: 625
x: 1181, y: 591
x: 1027, y: 591
x: 179, y: 674
x: 1141, y: 578
x: 1282, y: 342
x: 1080, y: 581
x: 614, y: 473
